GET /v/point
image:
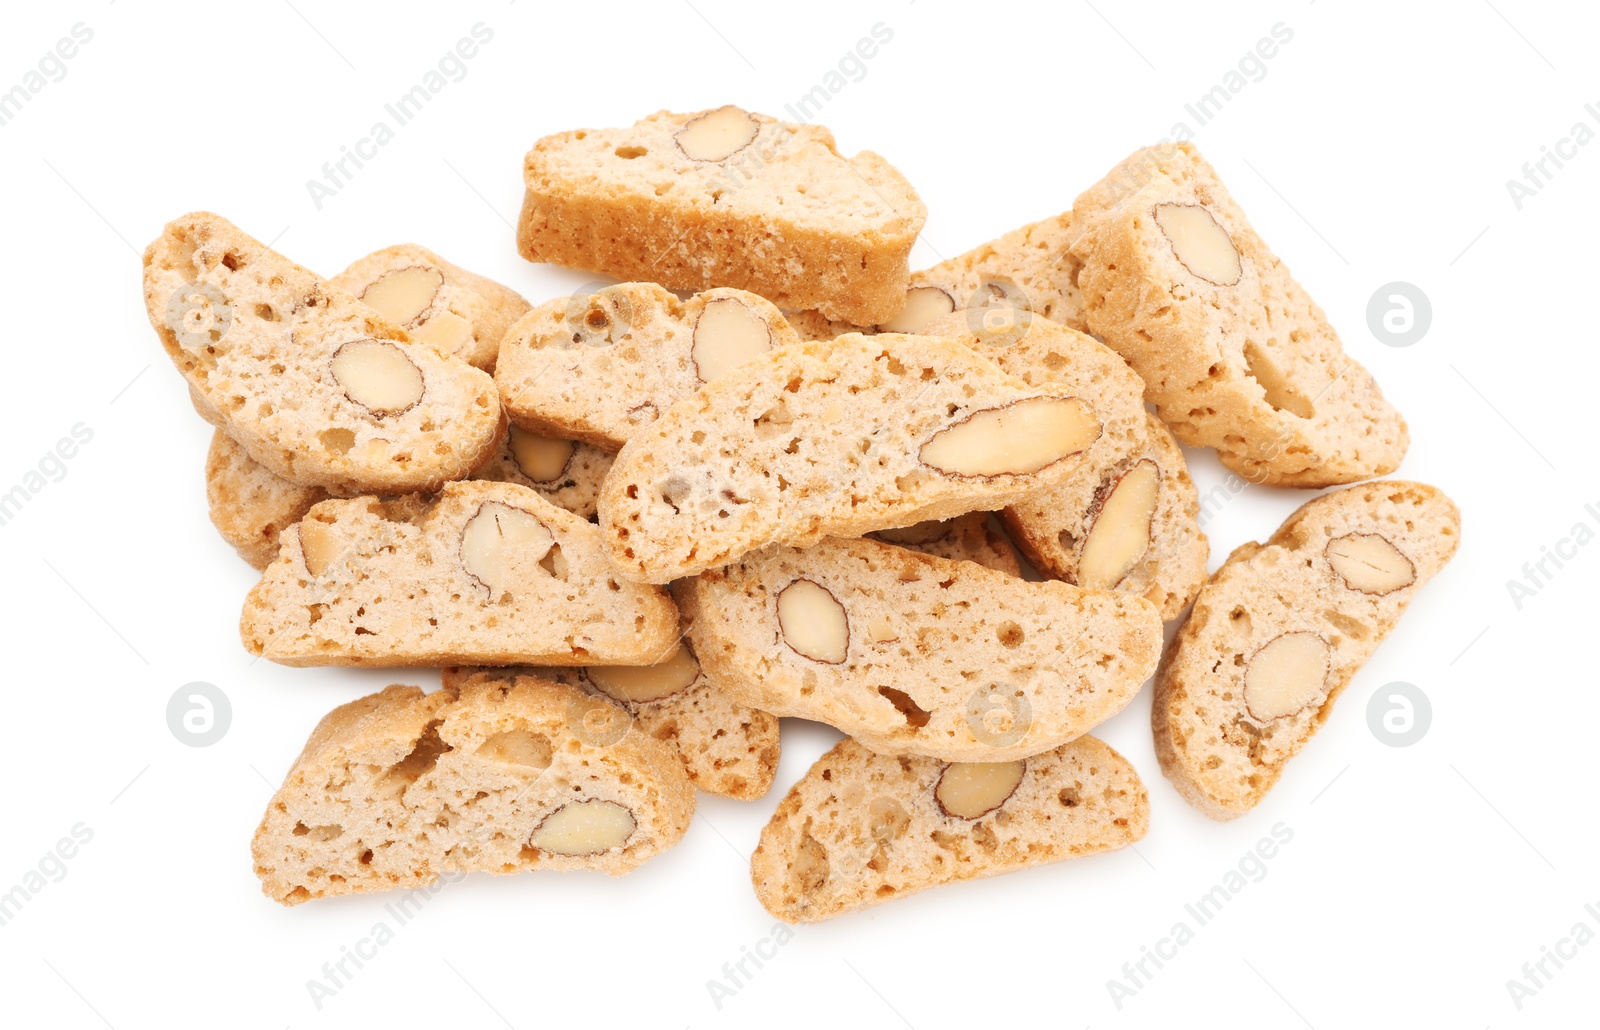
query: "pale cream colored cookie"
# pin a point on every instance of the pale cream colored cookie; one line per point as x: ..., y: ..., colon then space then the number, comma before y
x: 1282, y: 628
x: 484, y: 574
x: 310, y: 381
x: 862, y: 828
x: 834, y: 439
x: 1234, y: 354
x: 250, y: 506
x: 497, y: 776
x: 913, y: 654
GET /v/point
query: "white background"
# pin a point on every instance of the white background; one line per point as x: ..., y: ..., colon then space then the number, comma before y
x: 1376, y: 148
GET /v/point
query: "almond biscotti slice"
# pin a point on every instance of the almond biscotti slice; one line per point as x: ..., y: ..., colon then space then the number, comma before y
x: 1131, y: 521
x: 725, y: 198
x: 310, y: 381
x: 251, y: 507
x: 1030, y: 270
x: 963, y: 538
x: 834, y: 439
x: 1280, y: 630
x: 439, y: 304
x: 401, y: 788
x: 913, y: 654
x: 484, y: 574
x: 1234, y: 354
x: 601, y: 366
x: 727, y: 748
x: 862, y: 828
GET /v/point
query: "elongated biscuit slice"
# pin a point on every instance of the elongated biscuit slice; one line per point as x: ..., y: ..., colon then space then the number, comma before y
x: 250, y: 506
x: 1030, y: 269
x: 1131, y: 521
x: 834, y: 439
x: 310, y: 381
x: 1234, y: 354
x: 400, y: 788
x: 913, y: 654
x: 725, y: 198
x: 727, y: 748
x: 602, y: 366
x: 1282, y: 628
x: 446, y: 307
x: 485, y: 574
x: 862, y: 828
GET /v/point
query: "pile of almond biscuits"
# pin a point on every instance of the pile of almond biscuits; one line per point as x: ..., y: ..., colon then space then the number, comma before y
x: 773, y: 473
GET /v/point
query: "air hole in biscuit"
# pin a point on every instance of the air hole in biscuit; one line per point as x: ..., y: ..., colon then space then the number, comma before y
x: 423, y: 757
x: 629, y: 153
x: 810, y: 864
x: 1009, y: 634
x: 916, y: 717
x: 1281, y: 394
x: 337, y: 441
x: 517, y: 747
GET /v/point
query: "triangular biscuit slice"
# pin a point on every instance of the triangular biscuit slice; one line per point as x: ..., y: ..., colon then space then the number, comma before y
x: 1233, y: 351
x: 400, y: 788
x: 862, y: 828
x: 311, y: 382
x: 483, y: 574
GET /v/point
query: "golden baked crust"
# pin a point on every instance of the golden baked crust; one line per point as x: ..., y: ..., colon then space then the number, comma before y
x: 785, y: 216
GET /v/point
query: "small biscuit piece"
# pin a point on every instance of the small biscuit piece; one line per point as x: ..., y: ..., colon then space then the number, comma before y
x: 861, y: 828
x: 1131, y: 521
x: 834, y: 439
x: 495, y: 776
x: 1234, y: 354
x: 484, y: 574
x: 725, y: 198
x: 1029, y: 269
x: 250, y: 506
x: 1280, y: 630
x: 439, y: 304
x: 727, y: 748
x: 310, y: 381
x: 602, y: 366
x: 565, y: 472
x: 913, y: 654
x: 963, y: 538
